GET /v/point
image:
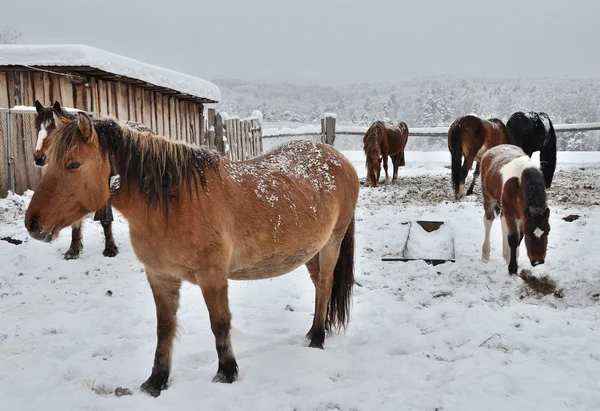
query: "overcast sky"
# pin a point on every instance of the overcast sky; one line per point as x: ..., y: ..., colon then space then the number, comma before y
x: 328, y: 42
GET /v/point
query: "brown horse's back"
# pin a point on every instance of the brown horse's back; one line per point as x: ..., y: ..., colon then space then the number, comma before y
x: 397, y: 138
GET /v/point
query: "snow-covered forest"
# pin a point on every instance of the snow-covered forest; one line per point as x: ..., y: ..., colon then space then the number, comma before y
x: 426, y: 102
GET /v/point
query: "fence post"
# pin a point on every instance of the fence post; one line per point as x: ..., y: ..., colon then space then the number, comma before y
x: 219, y: 134
x: 322, y: 130
x: 211, y: 127
x: 10, y: 155
x: 329, y: 128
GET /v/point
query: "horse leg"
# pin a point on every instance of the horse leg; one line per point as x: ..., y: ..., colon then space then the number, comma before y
x: 548, y: 162
x: 214, y: 289
x: 110, y: 248
x: 76, y: 242
x: 488, y: 221
x: 327, y: 258
x: 475, y: 176
x: 165, y: 290
x: 512, y: 239
x: 505, y: 249
x: 313, y: 269
x: 105, y: 216
x: 385, y: 167
x: 464, y: 171
x: 395, y: 165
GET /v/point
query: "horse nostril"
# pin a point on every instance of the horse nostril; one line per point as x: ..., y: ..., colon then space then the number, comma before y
x: 534, y: 263
x: 34, y: 225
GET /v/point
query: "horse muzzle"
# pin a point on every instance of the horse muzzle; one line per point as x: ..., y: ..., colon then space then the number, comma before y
x: 36, y: 230
x: 39, y: 161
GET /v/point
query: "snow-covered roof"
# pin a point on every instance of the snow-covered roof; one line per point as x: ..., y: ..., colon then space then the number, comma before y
x: 73, y: 55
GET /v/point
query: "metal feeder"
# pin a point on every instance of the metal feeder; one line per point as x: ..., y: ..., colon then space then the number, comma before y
x: 426, y: 242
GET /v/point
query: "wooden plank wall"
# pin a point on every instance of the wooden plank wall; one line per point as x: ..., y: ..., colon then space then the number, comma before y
x: 164, y: 114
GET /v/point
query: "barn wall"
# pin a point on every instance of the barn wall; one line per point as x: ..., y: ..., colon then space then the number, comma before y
x: 164, y: 114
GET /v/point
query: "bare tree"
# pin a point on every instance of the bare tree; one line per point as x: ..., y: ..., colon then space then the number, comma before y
x: 10, y: 35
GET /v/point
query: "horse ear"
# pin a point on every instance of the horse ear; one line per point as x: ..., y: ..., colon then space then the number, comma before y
x: 38, y: 106
x: 59, y: 120
x: 84, y: 123
x: 57, y: 106
x: 547, y: 213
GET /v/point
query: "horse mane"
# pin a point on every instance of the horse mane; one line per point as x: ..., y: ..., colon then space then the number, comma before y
x: 373, y: 137
x: 159, y: 167
x: 535, y: 189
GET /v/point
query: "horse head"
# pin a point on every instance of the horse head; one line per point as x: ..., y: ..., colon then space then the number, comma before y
x: 536, y: 227
x: 75, y: 181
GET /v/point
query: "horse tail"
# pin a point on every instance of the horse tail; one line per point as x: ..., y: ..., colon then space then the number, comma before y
x: 548, y: 154
x: 338, y: 311
x: 456, y: 154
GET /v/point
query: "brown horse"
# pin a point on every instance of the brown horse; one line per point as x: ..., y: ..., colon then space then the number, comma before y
x: 44, y: 125
x: 513, y: 185
x: 380, y: 141
x: 195, y: 216
x: 471, y: 137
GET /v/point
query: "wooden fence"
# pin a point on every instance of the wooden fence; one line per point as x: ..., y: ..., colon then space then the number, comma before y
x: 329, y: 131
x: 236, y: 139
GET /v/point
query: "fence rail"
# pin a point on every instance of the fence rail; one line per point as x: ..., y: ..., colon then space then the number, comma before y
x: 312, y: 130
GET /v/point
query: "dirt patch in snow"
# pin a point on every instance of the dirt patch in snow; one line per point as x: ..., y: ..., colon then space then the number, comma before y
x: 570, y: 187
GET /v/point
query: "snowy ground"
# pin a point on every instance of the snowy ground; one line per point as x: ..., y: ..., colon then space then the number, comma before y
x: 458, y: 336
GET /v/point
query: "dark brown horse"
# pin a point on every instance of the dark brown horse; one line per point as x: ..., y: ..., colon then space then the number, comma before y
x: 471, y: 137
x: 380, y: 141
x: 195, y: 216
x: 513, y: 185
x: 44, y: 125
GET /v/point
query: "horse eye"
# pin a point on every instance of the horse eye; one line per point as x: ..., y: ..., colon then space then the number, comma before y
x: 73, y: 166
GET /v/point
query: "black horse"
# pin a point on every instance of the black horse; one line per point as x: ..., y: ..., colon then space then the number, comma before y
x: 534, y: 131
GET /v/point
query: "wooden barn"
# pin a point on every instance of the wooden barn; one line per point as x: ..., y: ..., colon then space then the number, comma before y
x: 106, y: 84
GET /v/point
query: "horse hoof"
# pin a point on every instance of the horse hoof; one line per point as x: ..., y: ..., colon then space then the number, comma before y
x: 71, y: 255
x: 155, y: 384
x: 110, y: 252
x: 224, y: 378
x: 314, y: 344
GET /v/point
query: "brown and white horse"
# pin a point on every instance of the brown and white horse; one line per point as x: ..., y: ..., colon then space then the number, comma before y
x: 44, y: 125
x: 513, y: 185
x: 195, y: 216
x: 471, y: 137
x: 380, y: 141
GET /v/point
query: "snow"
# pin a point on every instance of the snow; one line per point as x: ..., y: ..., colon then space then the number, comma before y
x: 31, y: 109
x: 81, y: 55
x: 458, y: 336
x: 332, y: 115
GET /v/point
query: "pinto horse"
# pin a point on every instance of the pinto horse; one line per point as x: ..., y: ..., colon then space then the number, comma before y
x: 513, y: 185
x: 44, y: 125
x: 534, y: 131
x: 380, y: 141
x: 195, y: 216
x: 471, y: 137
